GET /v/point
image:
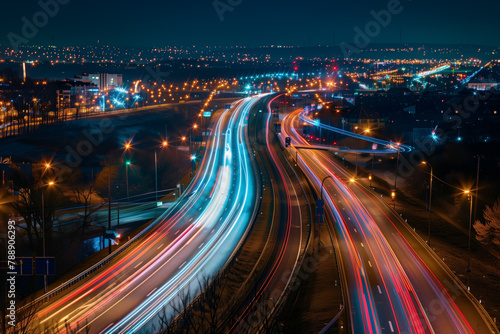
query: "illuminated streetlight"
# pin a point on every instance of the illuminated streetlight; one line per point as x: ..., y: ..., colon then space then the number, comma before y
x: 469, y: 197
x: 164, y: 144
x: 51, y: 183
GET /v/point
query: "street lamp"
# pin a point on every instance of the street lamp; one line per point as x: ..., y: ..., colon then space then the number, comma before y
x: 322, y: 183
x: 397, y: 166
x: 51, y: 183
x: 469, y: 197
x: 164, y: 144
x: 430, y: 203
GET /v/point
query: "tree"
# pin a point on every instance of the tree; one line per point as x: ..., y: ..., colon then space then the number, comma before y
x: 488, y: 233
x: 82, y: 195
x: 29, y: 205
x: 200, y: 314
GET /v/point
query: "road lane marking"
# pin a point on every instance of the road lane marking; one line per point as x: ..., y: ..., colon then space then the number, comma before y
x: 355, y: 230
x: 149, y: 294
x: 390, y: 325
x: 370, y: 264
x: 138, y: 264
x: 160, y: 246
x: 182, y: 265
x: 362, y: 245
x: 177, y: 232
x: 201, y: 245
x: 191, y: 219
x: 379, y: 290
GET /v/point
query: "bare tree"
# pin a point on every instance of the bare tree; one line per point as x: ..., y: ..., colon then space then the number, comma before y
x: 199, y: 315
x: 28, y: 205
x: 25, y: 319
x: 82, y: 193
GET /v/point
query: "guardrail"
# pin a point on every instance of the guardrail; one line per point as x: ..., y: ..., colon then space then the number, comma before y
x: 98, y: 265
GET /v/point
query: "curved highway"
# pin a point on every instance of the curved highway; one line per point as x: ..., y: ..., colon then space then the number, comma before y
x: 389, y: 286
x: 194, y: 238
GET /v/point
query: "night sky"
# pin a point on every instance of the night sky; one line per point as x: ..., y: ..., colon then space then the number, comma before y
x: 252, y: 22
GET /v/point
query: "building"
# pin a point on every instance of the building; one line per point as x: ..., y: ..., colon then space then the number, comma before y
x: 483, y: 84
x: 105, y: 81
x: 76, y: 96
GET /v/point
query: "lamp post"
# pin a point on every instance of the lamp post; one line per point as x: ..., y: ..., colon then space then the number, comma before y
x: 469, y: 196
x: 322, y: 183
x: 164, y: 144
x: 430, y: 202
x: 397, y: 169
x: 110, y: 204
x: 43, y: 232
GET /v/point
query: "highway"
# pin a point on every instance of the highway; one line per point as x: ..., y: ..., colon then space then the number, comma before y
x: 394, y: 282
x: 194, y: 238
x: 287, y: 245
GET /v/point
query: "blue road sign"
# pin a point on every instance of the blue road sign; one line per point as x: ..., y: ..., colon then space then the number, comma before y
x: 320, y: 211
x: 45, y: 266
x: 320, y: 219
x: 207, y: 114
x: 320, y: 203
x: 24, y: 266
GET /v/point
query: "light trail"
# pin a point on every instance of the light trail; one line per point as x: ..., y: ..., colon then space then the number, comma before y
x: 410, y: 286
x: 394, y: 147
x: 221, y: 199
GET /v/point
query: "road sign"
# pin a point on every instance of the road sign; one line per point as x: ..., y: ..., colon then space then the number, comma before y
x: 320, y: 211
x: 320, y: 219
x: 110, y: 234
x: 207, y: 114
x: 23, y: 266
x: 45, y: 266
x: 159, y: 204
x: 227, y: 106
x: 320, y: 203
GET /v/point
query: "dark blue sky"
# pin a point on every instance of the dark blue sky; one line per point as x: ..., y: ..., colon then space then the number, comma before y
x: 252, y: 22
